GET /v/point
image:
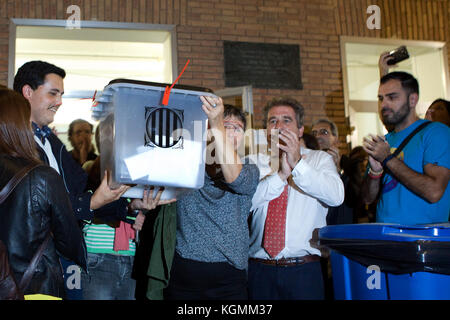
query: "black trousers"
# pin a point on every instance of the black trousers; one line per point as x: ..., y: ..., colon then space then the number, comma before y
x: 302, y: 282
x: 195, y: 280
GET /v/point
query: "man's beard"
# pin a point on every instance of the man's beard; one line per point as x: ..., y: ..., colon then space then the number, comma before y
x: 396, y: 117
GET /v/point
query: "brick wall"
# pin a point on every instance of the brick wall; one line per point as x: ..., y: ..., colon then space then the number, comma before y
x: 202, y: 25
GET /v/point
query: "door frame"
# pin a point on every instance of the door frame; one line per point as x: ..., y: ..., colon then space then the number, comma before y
x: 14, y: 23
x: 246, y: 92
x: 396, y: 43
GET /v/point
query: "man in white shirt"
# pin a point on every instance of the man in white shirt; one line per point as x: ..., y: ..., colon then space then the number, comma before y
x: 291, y: 201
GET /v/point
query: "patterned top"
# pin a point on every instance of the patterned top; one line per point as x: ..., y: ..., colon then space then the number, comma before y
x: 212, y: 221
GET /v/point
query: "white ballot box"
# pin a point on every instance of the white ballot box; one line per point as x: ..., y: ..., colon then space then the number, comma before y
x: 145, y: 143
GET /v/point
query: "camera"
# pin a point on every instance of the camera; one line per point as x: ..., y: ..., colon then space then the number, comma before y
x: 398, y: 55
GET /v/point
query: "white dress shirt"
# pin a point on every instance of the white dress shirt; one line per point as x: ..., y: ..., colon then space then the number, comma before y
x: 48, y: 151
x: 317, y: 186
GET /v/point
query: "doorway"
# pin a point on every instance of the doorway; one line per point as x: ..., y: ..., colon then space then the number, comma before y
x: 92, y: 56
x: 360, y: 56
x: 242, y: 97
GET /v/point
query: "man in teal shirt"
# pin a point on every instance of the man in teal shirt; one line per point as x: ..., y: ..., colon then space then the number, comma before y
x: 414, y: 185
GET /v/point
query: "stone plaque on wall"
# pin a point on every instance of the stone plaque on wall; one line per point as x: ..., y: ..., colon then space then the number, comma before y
x: 262, y: 65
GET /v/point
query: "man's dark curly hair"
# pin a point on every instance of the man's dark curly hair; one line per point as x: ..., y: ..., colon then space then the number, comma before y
x: 409, y: 83
x: 33, y: 73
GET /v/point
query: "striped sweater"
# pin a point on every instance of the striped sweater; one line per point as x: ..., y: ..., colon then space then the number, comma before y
x: 100, y: 239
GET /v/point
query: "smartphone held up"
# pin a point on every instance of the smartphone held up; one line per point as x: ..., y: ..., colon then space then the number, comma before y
x: 398, y: 55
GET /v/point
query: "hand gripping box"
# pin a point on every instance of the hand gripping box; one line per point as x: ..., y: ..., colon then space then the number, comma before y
x: 145, y: 143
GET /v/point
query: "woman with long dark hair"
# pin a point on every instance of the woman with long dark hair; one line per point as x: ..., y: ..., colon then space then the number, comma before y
x: 37, y: 207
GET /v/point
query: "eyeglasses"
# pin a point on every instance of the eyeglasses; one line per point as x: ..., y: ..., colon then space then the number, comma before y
x: 322, y: 132
x: 233, y: 127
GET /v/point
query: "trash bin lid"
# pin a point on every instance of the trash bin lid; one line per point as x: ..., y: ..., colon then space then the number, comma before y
x: 388, y: 232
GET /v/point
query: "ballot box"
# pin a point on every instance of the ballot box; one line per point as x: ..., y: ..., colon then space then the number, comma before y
x: 145, y: 143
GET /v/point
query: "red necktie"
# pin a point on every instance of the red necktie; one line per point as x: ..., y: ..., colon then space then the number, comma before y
x: 274, y: 229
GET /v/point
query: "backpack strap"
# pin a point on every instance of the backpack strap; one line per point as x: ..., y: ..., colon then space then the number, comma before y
x: 9, y: 187
x: 405, y: 142
x: 28, y: 274
x: 410, y: 136
x: 4, y: 193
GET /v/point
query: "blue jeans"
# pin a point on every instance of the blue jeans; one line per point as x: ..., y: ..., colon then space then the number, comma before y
x: 109, y: 277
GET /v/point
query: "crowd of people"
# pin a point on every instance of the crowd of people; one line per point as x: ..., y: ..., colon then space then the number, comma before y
x: 246, y: 234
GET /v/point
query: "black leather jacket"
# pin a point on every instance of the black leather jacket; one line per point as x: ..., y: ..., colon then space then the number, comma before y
x: 37, y: 206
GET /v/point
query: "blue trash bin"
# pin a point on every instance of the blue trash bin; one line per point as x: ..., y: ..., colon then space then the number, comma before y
x: 388, y: 261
